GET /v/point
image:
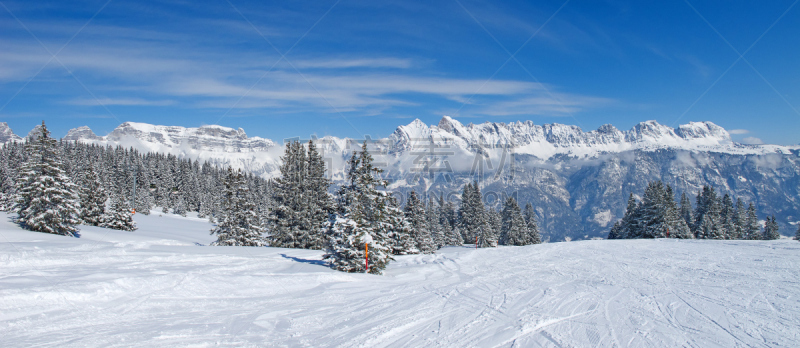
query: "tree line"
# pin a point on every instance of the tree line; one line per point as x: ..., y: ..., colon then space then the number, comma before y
x: 658, y: 215
x: 54, y: 186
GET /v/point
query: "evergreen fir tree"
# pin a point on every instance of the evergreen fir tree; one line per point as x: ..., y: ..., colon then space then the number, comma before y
x: 415, y: 214
x: 46, y: 201
x: 361, y: 218
x: 706, y: 200
x: 677, y: 227
x: 302, y: 203
x: 118, y: 216
x: 715, y: 218
x: 686, y: 210
x: 7, y: 179
x: 630, y: 221
x: 615, y: 231
x: 740, y: 220
x: 447, y: 219
x: 319, y: 204
x: 653, y: 211
x: 752, y: 228
x: 771, y: 229
x: 533, y: 227
x: 797, y: 234
x: 92, y: 198
x: 287, y: 225
x: 398, y: 230
x: 434, y: 223
x: 179, y: 207
x: 467, y: 214
x: 238, y: 223
x: 473, y: 221
x: 728, y: 217
x: 515, y: 229
x: 483, y: 227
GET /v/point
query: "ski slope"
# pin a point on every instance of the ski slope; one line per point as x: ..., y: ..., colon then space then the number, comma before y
x: 160, y: 286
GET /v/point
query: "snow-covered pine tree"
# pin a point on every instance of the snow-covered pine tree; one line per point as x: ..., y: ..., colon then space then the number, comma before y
x: 705, y: 201
x: 447, y: 219
x: 287, y: 228
x: 473, y: 219
x: 495, y: 222
x: 467, y: 214
x: 686, y: 210
x: 398, y: 230
x: 740, y: 220
x: 797, y: 234
x: 361, y: 219
x: 179, y: 207
x: 715, y: 219
x: 238, y: 223
x: 653, y: 211
x: 7, y: 178
x: 771, y: 229
x: 319, y: 204
x: 434, y: 223
x: 92, y: 198
x: 118, y: 216
x: 533, y: 227
x: 630, y: 221
x: 480, y: 221
x: 727, y: 217
x: 415, y: 214
x: 752, y: 228
x: 46, y: 198
x: 675, y: 222
x: 514, y: 230
x: 615, y: 230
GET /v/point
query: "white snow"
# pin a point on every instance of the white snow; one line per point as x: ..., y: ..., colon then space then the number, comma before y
x: 603, y: 217
x: 157, y: 287
x: 450, y: 141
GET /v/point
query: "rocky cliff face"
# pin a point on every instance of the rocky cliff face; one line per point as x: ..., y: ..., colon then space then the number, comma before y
x: 578, y: 181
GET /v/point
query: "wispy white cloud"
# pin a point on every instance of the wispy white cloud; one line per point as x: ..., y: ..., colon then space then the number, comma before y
x: 157, y: 73
x: 353, y: 63
x: 120, y: 101
x: 545, y: 104
x: 752, y: 141
x: 738, y: 131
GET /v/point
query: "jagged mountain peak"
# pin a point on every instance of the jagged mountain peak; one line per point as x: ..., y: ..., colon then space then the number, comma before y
x: 546, y: 140
x: 83, y: 132
x: 35, y: 132
x: 6, y: 134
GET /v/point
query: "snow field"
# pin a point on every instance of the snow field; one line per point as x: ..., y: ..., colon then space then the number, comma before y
x: 157, y: 287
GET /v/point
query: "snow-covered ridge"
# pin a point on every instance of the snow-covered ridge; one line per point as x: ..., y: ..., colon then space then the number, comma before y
x: 215, y: 144
x: 228, y: 146
x: 204, y: 138
x: 545, y: 141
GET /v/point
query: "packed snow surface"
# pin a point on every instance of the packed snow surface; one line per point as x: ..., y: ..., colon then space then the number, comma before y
x: 161, y: 286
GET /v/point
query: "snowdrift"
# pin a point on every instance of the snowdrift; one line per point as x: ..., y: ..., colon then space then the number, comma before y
x: 162, y: 286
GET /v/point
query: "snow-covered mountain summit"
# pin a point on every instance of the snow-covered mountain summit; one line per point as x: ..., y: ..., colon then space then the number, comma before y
x: 204, y: 138
x: 223, y: 145
x: 545, y: 141
x: 6, y: 134
x: 215, y: 144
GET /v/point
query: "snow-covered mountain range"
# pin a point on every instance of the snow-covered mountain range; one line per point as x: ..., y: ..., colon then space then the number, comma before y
x: 578, y: 180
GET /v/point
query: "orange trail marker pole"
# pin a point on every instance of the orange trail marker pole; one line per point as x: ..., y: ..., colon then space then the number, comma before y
x: 476, y: 242
x: 366, y: 251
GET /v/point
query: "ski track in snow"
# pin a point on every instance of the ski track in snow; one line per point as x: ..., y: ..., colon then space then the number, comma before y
x: 158, y: 287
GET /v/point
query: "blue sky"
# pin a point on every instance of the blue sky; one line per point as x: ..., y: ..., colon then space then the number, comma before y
x: 349, y: 68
